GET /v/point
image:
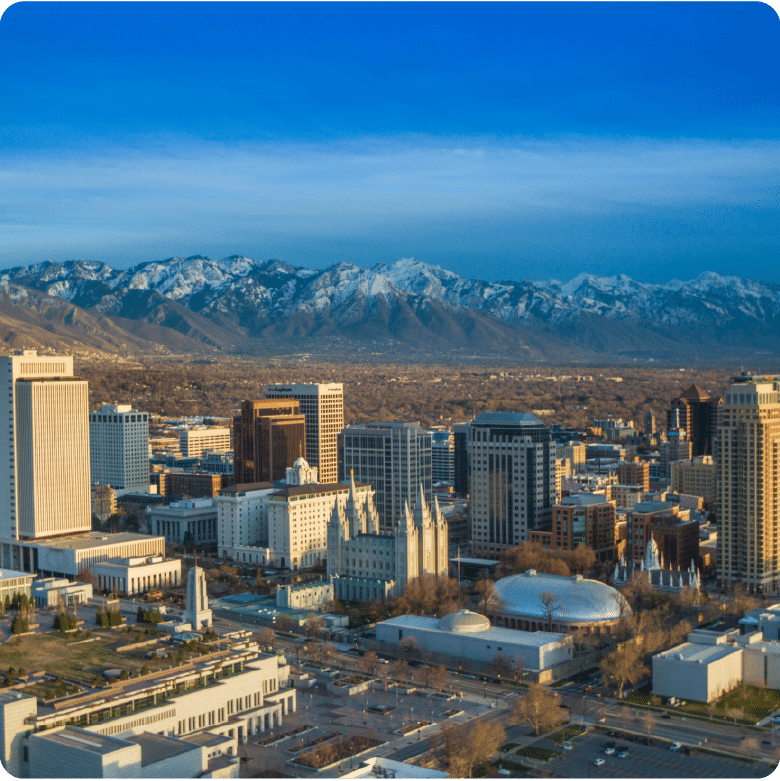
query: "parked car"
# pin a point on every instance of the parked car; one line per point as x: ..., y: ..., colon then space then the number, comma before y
x: 598, y: 762
x: 622, y: 754
x: 609, y: 750
x: 675, y: 747
x: 665, y: 716
x: 567, y: 745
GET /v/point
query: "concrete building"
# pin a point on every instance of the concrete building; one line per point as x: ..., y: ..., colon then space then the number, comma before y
x: 44, y: 470
x: 186, y: 484
x: 574, y: 452
x: 119, y: 448
x: 582, y: 519
x: 395, y: 458
x: 190, y: 521
x: 242, y: 522
x: 211, y: 705
x: 195, y: 441
x: 579, y: 605
x: 323, y: 407
x: 466, y: 635
x: 748, y: 485
x: 305, y: 596
x: 365, y: 564
x: 13, y: 582
x: 675, y: 534
x: 137, y: 574
x: 298, y: 516
x: 65, y: 557
x: 698, y: 477
x: 103, y: 501
x: 51, y: 592
x: 512, y: 460
x: 676, y: 448
x: 634, y: 473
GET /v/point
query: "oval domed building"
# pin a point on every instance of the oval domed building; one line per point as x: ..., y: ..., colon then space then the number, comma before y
x: 580, y: 605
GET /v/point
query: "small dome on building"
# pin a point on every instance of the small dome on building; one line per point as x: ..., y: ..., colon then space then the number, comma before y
x: 464, y: 622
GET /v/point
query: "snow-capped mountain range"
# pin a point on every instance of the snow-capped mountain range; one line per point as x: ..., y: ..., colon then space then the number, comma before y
x: 236, y: 302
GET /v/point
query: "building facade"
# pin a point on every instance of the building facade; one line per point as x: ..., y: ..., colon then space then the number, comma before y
x: 365, y: 564
x: 512, y: 461
x: 323, y: 407
x: 395, y: 458
x: 262, y: 450
x: 697, y: 414
x: 442, y: 456
x: 119, y: 448
x: 190, y: 522
x: 194, y: 442
x: 697, y: 477
x: 242, y: 520
x: 748, y: 485
x: 44, y: 441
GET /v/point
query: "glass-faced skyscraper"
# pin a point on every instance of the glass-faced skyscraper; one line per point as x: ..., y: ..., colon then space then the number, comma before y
x: 395, y: 458
x: 512, y: 462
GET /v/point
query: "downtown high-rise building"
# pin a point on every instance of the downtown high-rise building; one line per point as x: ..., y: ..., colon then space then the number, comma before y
x: 395, y: 458
x: 44, y: 442
x: 696, y: 413
x: 748, y: 485
x: 268, y: 436
x: 119, y: 448
x: 512, y: 462
x: 323, y: 407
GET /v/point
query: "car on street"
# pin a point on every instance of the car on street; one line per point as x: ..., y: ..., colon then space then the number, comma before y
x: 675, y: 747
x: 622, y: 754
x: 598, y: 762
x: 665, y: 716
x: 567, y: 745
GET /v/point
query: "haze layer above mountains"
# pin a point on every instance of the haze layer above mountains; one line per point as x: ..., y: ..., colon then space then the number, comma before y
x: 238, y: 305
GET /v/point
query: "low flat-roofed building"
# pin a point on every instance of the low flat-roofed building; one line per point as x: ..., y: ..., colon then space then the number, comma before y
x: 65, y: 557
x: 305, y: 595
x: 137, y: 574
x: 383, y: 767
x: 193, y: 521
x: 15, y: 709
x: 467, y: 635
x: 14, y: 582
x: 50, y: 592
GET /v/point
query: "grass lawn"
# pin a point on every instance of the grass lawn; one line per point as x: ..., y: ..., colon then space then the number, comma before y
x: 537, y: 752
x: 69, y: 658
x: 753, y: 702
x: 567, y: 733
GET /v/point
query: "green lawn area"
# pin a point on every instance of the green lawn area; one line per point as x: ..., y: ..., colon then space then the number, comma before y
x: 537, y: 752
x: 567, y: 733
x: 61, y: 655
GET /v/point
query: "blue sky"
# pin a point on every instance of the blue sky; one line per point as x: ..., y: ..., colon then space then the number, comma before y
x: 499, y: 140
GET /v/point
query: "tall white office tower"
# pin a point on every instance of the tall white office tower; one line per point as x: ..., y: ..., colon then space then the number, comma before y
x: 119, y: 448
x: 323, y: 407
x: 512, y: 461
x: 748, y: 485
x: 44, y: 447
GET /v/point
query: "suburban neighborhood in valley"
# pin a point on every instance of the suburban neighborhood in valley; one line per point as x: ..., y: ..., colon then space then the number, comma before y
x: 282, y: 592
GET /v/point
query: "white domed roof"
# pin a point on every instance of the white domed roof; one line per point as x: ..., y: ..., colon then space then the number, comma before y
x: 580, y: 599
x: 463, y: 622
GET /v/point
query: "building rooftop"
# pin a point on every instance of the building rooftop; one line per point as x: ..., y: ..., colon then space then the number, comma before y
x: 157, y: 747
x: 208, y: 739
x: 652, y: 507
x: 584, y: 500
x: 245, y: 488
x: 580, y: 599
x: 699, y: 652
x: 14, y: 573
x: 316, y: 488
x: 507, y: 419
x: 89, y: 540
x: 75, y: 737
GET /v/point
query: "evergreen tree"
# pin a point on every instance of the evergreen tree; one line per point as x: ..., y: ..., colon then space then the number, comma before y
x: 19, y: 625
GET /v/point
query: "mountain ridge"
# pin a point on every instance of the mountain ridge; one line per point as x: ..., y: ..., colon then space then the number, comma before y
x: 237, y: 304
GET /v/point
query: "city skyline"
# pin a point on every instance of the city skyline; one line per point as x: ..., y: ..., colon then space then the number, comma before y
x: 495, y: 140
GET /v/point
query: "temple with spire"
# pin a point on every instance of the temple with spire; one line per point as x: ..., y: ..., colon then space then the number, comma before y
x: 365, y: 564
x: 651, y: 568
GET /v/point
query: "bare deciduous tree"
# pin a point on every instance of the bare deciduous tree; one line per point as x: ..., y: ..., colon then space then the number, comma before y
x: 267, y: 637
x: 462, y: 748
x: 409, y: 646
x: 538, y: 708
x: 624, y: 665
x: 369, y: 663
x: 551, y: 604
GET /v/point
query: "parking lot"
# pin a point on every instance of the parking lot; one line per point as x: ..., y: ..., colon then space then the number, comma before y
x: 651, y: 761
